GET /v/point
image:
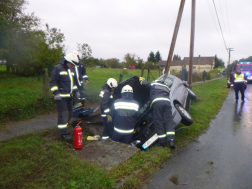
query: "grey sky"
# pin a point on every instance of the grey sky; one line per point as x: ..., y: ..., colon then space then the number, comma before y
x: 113, y: 28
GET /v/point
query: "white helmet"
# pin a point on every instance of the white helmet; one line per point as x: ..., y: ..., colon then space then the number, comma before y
x: 72, y: 58
x: 77, y: 54
x: 112, y: 82
x: 127, y: 89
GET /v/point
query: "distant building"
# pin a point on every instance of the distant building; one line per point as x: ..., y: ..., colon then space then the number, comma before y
x: 132, y: 66
x: 199, y: 64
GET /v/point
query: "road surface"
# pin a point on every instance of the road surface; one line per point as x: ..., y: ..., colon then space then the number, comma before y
x: 222, y: 157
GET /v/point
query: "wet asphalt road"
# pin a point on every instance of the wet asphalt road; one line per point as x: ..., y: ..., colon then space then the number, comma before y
x: 222, y: 157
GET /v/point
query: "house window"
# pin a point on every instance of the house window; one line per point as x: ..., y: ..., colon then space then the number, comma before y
x: 194, y: 67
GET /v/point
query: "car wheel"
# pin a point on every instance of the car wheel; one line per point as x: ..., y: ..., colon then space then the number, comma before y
x: 191, y: 94
x: 186, y: 117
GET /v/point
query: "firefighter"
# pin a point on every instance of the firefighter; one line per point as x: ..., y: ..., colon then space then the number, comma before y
x: 124, y: 113
x: 106, y: 101
x: 63, y: 85
x: 239, y: 84
x: 162, y: 114
x: 81, y: 75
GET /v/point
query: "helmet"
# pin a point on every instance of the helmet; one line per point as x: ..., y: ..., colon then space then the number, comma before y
x: 77, y: 54
x: 126, y: 89
x: 112, y: 82
x: 72, y: 58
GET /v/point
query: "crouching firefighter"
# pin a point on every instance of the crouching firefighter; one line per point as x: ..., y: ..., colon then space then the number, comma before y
x: 81, y: 75
x: 63, y: 84
x: 106, y: 101
x: 124, y: 113
x: 162, y: 114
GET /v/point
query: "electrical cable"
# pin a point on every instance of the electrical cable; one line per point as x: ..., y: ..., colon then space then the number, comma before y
x: 220, y: 26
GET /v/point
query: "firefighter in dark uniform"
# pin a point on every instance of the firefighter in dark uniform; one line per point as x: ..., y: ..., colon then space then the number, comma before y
x: 162, y: 114
x: 106, y: 101
x: 239, y: 84
x: 80, y: 71
x: 124, y: 113
x: 63, y: 85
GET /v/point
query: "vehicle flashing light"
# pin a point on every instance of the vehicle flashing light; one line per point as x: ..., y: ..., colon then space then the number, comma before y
x: 241, y: 62
x: 247, y: 73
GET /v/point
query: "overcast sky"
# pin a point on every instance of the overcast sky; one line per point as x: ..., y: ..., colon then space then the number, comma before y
x: 113, y: 28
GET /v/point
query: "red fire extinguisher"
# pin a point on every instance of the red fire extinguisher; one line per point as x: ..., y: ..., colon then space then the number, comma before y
x: 78, y: 136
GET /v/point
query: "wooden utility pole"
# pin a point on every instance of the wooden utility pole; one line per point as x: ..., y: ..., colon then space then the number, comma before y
x: 192, y: 42
x: 175, y: 33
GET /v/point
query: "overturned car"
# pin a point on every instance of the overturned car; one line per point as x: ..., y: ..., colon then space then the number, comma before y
x: 144, y: 130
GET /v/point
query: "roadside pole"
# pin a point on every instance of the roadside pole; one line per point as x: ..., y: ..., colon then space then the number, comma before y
x: 175, y: 33
x: 192, y: 42
x: 229, y: 49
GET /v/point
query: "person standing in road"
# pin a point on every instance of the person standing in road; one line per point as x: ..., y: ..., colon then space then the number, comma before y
x: 239, y: 84
x: 124, y: 113
x: 63, y: 85
x: 184, y: 74
x: 81, y: 75
x: 162, y: 114
x: 106, y: 101
x: 204, y: 73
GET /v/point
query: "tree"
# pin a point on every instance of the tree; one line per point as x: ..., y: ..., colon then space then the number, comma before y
x: 158, y: 56
x: 218, y: 62
x: 112, y: 62
x: 84, y: 50
x: 150, y: 65
x: 130, y: 59
x: 176, y: 57
x: 151, y: 57
x: 14, y: 28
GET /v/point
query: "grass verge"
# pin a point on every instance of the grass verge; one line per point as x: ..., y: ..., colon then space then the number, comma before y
x: 32, y: 161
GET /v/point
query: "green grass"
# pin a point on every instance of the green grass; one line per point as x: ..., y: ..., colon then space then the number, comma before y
x: 33, y: 161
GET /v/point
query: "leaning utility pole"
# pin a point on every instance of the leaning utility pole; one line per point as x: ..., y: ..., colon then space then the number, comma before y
x: 192, y: 42
x: 175, y: 33
x: 229, y: 49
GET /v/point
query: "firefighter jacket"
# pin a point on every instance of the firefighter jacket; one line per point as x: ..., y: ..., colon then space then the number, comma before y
x: 239, y: 78
x: 63, y: 80
x: 81, y: 74
x: 106, y: 100
x: 124, y: 113
x: 158, y: 91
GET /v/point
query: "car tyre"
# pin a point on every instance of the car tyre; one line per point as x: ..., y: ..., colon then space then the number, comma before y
x: 186, y: 117
x: 191, y: 94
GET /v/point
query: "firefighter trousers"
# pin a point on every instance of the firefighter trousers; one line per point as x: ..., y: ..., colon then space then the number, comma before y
x: 65, y: 111
x: 108, y: 128
x: 163, y: 121
x: 122, y: 137
x: 239, y: 87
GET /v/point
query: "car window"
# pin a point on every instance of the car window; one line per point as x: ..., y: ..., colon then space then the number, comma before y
x: 168, y: 81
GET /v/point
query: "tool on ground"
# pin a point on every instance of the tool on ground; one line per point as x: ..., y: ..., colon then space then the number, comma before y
x: 96, y: 137
x: 78, y: 136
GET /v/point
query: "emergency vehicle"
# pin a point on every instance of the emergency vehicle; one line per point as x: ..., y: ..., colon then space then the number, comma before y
x: 246, y: 69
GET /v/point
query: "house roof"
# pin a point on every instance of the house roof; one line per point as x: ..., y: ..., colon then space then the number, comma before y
x: 196, y: 61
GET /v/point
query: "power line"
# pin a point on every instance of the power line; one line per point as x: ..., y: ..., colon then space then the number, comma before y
x: 230, y: 38
x: 225, y: 30
x: 220, y: 25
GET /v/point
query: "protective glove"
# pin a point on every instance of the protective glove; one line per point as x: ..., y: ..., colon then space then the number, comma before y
x: 57, y: 97
x: 77, y: 94
x: 141, y: 79
x: 109, y: 118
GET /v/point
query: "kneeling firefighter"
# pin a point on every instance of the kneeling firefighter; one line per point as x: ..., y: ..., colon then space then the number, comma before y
x: 63, y: 85
x: 162, y: 114
x: 124, y: 113
x: 106, y: 101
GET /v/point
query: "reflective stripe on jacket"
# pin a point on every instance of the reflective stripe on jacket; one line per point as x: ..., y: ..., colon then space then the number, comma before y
x: 62, y: 81
x: 124, y: 114
x: 239, y: 78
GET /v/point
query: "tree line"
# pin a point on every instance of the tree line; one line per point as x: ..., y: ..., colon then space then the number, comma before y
x: 28, y: 49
